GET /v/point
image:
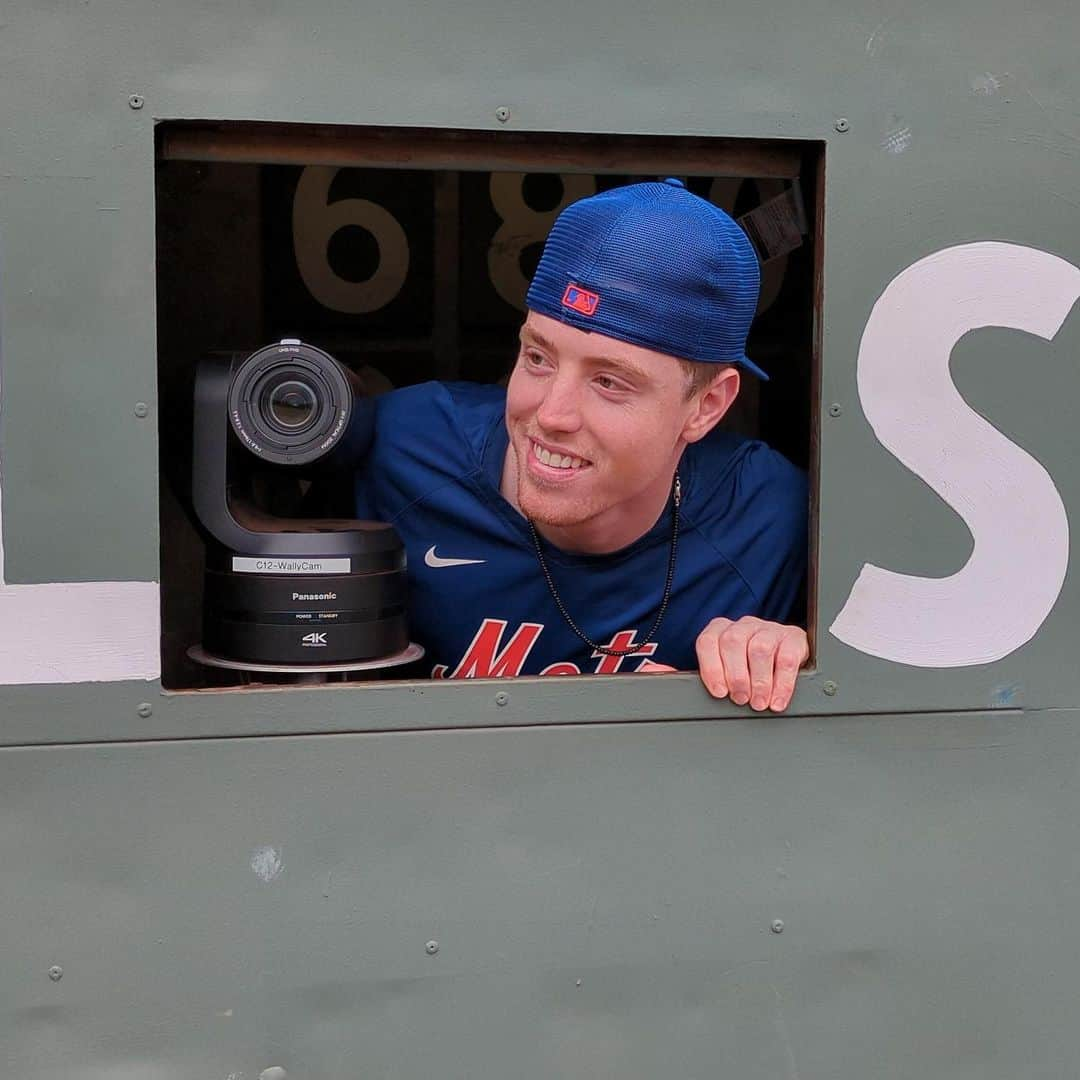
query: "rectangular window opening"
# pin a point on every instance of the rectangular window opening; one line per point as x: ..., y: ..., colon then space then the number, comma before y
x: 405, y: 254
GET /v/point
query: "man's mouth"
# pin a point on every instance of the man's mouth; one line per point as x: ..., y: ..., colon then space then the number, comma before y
x: 555, y: 460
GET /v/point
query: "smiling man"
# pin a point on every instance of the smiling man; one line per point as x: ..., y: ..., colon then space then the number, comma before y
x: 593, y: 518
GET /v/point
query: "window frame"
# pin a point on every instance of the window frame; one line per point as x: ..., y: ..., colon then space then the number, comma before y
x: 530, y: 699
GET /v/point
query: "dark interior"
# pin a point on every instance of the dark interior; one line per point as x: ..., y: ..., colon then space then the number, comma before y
x: 406, y: 256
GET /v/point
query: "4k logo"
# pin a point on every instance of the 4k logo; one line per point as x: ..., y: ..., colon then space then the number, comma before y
x: 314, y: 640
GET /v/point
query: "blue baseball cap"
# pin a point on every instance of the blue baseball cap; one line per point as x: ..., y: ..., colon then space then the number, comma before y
x: 653, y: 265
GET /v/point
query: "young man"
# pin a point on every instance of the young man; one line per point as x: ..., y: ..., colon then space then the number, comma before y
x: 593, y: 518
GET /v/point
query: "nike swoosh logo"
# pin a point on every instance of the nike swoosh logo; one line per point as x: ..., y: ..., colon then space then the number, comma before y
x: 431, y: 559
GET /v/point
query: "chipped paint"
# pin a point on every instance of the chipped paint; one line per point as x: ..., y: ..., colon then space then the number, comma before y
x: 266, y: 863
x: 875, y: 43
x: 1006, y: 696
x: 985, y: 84
x: 897, y: 139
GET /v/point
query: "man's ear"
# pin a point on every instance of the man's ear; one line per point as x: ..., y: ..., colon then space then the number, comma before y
x: 712, y: 404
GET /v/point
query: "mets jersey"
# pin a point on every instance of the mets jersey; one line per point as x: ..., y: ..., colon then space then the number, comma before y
x: 478, y: 600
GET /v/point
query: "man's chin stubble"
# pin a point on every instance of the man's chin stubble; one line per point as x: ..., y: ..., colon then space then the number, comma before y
x: 537, y: 509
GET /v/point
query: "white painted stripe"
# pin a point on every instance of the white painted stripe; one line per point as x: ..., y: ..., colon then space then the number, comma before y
x: 83, y: 631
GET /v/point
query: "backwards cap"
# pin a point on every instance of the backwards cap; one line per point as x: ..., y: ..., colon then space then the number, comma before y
x: 653, y: 265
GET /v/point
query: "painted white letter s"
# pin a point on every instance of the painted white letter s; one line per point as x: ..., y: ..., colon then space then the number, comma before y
x: 998, y: 600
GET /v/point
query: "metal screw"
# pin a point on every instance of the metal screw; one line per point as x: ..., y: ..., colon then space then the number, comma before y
x: 777, y: 926
x: 835, y: 409
x: 842, y: 125
x: 56, y: 973
x: 829, y: 687
x: 142, y: 410
x: 136, y: 101
x: 502, y: 697
x: 144, y: 709
x: 431, y: 948
x: 502, y: 114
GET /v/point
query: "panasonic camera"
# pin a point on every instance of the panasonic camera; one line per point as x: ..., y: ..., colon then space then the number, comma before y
x: 280, y: 589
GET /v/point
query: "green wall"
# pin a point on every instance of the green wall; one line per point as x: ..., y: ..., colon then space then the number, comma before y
x: 912, y: 830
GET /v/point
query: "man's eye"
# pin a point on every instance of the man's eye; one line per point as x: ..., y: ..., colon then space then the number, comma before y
x: 606, y: 382
x: 533, y: 359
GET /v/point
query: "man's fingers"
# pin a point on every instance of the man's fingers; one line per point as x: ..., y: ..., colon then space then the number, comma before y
x: 732, y: 643
x: 761, y: 655
x: 792, y: 654
x: 752, y: 661
x: 710, y: 666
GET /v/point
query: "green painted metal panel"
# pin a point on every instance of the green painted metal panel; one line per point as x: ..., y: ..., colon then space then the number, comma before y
x: 602, y: 900
x: 961, y: 129
x: 916, y: 844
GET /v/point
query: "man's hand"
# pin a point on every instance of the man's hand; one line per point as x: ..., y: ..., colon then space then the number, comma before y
x: 751, y: 660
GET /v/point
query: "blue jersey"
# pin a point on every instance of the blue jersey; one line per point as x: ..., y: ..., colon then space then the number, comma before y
x: 478, y: 601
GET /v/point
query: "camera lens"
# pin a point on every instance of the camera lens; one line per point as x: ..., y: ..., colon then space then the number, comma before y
x: 291, y: 404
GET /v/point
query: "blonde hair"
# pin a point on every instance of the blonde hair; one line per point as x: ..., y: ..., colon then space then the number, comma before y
x: 699, y: 374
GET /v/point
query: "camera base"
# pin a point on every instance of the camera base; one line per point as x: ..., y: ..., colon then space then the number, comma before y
x: 406, y: 656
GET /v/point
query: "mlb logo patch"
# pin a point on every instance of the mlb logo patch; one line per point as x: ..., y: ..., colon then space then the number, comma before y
x: 578, y: 299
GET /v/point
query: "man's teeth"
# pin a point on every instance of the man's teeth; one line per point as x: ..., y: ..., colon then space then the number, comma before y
x: 556, y: 461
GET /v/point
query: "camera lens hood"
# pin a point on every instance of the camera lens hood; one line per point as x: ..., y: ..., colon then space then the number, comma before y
x: 290, y: 403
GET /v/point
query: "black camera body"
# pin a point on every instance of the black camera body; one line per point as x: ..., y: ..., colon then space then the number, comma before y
x: 290, y: 591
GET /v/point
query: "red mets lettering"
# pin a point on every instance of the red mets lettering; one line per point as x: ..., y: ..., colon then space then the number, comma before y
x: 489, y: 657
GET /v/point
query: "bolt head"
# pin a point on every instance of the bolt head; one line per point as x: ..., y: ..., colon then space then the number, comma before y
x: 502, y: 697
x: 842, y: 124
x: 777, y: 926
x: 829, y: 688
x: 142, y: 410
x: 502, y: 114
x: 145, y: 709
x: 431, y: 948
x: 836, y: 409
x: 56, y: 973
x: 136, y: 101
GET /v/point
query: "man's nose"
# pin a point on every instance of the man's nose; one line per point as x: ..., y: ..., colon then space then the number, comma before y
x: 560, y: 409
